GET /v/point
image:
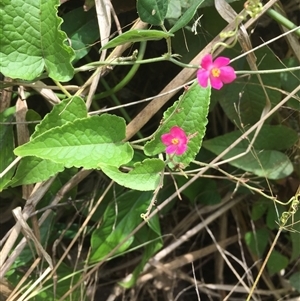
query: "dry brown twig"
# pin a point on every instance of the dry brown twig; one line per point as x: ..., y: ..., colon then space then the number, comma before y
x: 37, y: 194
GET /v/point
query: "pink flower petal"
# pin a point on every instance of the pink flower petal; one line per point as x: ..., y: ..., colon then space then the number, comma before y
x: 181, y: 149
x: 178, y: 133
x: 175, y: 131
x: 171, y: 149
x: 223, y: 74
x: 207, y: 62
x: 202, y: 76
x: 176, y: 141
x: 166, y: 139
x: 221, y: 61
x: 216, y: 82
x: 227, y: 74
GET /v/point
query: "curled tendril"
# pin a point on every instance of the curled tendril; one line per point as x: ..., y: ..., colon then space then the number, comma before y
x: 145, y: 216
x: 295, y: 203
x: 253, y: 7
x: 229, y: 34
x: 294, y: 206
x: 284, y: 218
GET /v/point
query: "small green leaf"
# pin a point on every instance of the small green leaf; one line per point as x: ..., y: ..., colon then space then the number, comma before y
x: 66, y: 111
x: 6, y: 145
x: 87, y: 143
x: 295, y: 281
x: 244, y: 100
x: 174, y: 9
x: 273, y: 214
x: 153, y: 244
x: 189, y: 113
x: 267, y: 139
x: 290, y: 80
x: 117, y: 225
x: 270, y: 136
x: 33, y: 170
x: 265, y: 162
x: 67, y: 278
x: 32, y: 42
x: 145, y: 175
x: 204, y: 191
x: 137, y: 35
x: 152, y: 11
x: 187, y: 16
x: 259, y: 208
x: 34, y: 117
x: 257, y: 241
x: 276, y: 262
x: 82, y: 29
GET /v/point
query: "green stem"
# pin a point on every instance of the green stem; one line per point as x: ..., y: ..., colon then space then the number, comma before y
x: 128, y: 76
x: 62, y: 88
x: 172, y: 59
x: 117, y: 62
x: 183, y: 65
x: 282, y: 20
x: 168, y: 40
x: 267, y: 71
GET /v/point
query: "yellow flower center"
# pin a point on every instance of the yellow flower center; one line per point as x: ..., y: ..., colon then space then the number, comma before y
x: 215, y: 72
x: 175, y: 141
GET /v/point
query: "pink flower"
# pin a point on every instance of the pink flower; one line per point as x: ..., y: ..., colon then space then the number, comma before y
x: 176, y: 141
x: 217, y: 72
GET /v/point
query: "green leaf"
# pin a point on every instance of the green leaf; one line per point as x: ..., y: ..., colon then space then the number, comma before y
x: 204, y: 191
x: 276, y: 262
x: 153, y: 244
x: 66, y: 111
x: 82, y: 29
x: 295, y: 281
x: 275, y: 137
x: 34, y: 117
x: 259, y: 208
x: 186, y: 37
x: 60, y: 180
x: 187, y: 16
x: 117, y: 225
x: 6, y: 146
x: 267, y: 139
x: 152, y: 11
x: 148, y: 236
x: 243, y: 100
x: 68, y: 277
x: 290, y: 80
x: 189, y: 113
x: 264, y: 162
x: 257, y: 241
x: 273, y: 214
x: 174, y: 9
x: 87, y: 143
x: 145, y: 175
x: 137, y: 35
x: 31, y: 41
x: 34, y: 170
